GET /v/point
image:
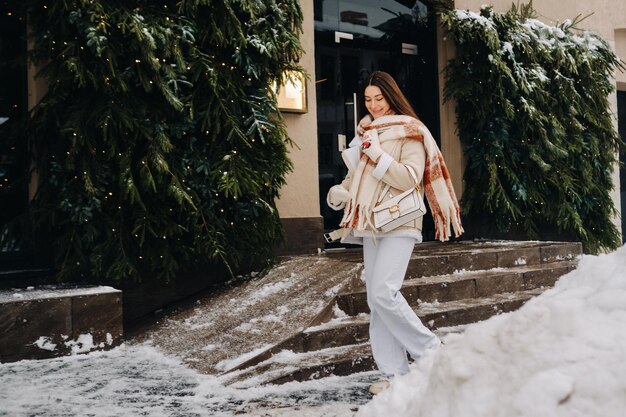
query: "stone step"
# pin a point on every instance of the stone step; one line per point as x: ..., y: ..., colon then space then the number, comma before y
x: 436, y: 258
x: 350, y: 330
x: 449, y: 285
x: 286, y: 366
x: 459, y: 312
x: 341, y: 346
x: 456, y: 286
x: 355, y: 329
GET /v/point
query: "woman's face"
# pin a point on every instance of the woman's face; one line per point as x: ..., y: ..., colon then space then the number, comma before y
x: 375, y: 102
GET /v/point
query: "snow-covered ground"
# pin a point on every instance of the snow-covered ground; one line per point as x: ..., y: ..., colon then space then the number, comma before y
x: 561, y: 354
x: 138, y: 380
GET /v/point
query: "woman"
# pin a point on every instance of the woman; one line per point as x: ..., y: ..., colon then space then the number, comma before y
x: 393, y: 152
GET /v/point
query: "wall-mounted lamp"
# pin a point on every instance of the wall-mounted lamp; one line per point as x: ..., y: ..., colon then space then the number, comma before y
x: 292, y: 93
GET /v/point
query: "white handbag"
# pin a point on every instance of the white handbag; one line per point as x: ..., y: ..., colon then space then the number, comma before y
x: 399, y: 210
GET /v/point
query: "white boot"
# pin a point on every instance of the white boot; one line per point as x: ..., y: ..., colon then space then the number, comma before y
x: 379, y: 386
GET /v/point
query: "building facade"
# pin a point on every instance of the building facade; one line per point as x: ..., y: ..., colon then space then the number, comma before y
x: 345, y: 40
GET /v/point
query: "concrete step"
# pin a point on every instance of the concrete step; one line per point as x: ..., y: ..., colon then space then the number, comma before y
x: 355, y: 329
x: 436, y: 258
x: 448, y: 285
x: 459, y: 312
x: 351, y: 330
x: 341, y: 347
x: 287, y: 366
x: 456, y: 286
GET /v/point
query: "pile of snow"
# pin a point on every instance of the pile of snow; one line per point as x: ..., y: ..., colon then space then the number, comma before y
x: 562, y: 354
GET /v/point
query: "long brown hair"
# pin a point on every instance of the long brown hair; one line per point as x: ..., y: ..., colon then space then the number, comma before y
x: 388, y: 86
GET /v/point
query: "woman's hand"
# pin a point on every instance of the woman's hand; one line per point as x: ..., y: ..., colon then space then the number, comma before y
x: 361, y: 128
x: 371, y: 145
x: 337, y: 197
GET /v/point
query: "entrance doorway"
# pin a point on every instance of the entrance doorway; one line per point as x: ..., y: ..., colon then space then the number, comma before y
x: 351, y: 41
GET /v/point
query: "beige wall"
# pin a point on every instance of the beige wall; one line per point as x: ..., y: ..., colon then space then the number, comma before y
x: 300, y: 197
x: 451, y: 148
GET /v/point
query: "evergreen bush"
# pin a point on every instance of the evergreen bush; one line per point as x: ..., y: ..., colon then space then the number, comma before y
x: 158, y: 144
x: 534, y: 117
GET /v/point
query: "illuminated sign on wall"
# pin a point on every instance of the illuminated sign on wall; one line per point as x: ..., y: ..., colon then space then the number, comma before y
x: 292, y: 93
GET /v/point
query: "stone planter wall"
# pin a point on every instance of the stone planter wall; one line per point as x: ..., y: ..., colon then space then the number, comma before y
x: 51, y: 321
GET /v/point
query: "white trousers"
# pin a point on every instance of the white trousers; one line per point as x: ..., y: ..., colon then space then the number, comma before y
x: 395, y: 329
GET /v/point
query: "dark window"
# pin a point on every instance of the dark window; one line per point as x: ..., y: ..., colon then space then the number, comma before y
x: 621, y: 118
x: 318, y: 10
x: 13, y: 107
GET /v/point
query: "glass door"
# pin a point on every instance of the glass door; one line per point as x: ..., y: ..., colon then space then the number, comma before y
x: 353, y: 39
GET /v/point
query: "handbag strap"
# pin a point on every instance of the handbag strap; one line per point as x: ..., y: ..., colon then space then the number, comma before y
x: 387, y: 186
x: 382, y: 194
x: 413, y: 175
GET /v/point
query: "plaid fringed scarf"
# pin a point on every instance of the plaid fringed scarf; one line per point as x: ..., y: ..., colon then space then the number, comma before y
x: 438, y: 188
